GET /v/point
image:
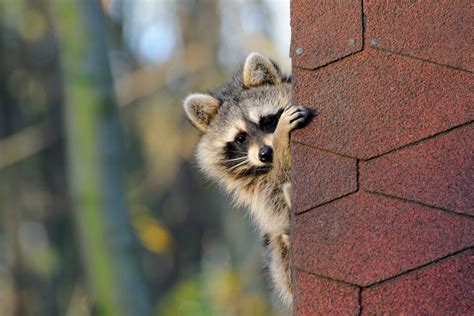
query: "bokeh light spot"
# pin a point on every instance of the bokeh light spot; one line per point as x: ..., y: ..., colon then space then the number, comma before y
x: 33, y: 27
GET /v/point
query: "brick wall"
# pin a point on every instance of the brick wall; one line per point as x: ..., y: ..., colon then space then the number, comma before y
x: 383, y: 176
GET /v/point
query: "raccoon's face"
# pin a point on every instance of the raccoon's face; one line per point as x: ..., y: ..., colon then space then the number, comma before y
x: 243, y: 146
x: 239, y: 120
x: 253, y: 141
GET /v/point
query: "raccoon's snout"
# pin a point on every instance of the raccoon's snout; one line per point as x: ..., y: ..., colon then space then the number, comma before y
x: 265, y: 154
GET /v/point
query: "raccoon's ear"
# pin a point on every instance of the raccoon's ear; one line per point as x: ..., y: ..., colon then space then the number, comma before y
x: 201, y: 109
x: 259, y: 70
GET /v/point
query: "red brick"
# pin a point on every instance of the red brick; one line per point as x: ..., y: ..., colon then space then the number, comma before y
x: 445, y: 288
x: 376, y: 101
x: 438, y: 172
x: 441, y: 33
x: 320, y: 177
x: 325, y: 31
x: 318, y: 296
x: 365, y: 238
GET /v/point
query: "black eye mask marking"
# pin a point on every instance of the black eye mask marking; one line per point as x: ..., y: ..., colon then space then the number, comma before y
x: 233, y: 151
x: 269, y: 123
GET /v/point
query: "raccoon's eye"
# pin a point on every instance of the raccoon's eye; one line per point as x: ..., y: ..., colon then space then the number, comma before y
x: 240, y: 138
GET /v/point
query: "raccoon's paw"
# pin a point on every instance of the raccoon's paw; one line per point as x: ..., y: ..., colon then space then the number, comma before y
x: 294, y: 117
x: 300, y: 116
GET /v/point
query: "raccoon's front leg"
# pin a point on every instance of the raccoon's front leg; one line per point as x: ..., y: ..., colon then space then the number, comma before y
x: 292, y: 117
x: 279, y: 265
x: 286, y: 188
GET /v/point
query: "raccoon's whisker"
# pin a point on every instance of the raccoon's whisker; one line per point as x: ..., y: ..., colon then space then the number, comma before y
x: 238, y: 165
x: 235, y: 159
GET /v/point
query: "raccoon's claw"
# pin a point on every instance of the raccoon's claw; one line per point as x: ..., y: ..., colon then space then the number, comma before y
x: 300, y: 117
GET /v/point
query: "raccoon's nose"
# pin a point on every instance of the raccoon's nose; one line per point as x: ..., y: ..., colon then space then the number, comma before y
x: 265, y: 154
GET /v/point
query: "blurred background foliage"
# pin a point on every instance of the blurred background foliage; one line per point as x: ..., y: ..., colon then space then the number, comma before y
x: 190, y: 252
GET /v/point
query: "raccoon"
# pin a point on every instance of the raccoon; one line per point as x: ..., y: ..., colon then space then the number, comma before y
x: 246, y: 125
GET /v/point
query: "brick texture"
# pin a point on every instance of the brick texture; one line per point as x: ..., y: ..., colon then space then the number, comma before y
x: 437, y: 172
x: 315, y: 40
x: 319, y: 296
x: 423, y: 29
x: 321, y: 177
x: 365, y: 238
x: 444, y: 288
x: 375, y: 101
x: 383, y: 177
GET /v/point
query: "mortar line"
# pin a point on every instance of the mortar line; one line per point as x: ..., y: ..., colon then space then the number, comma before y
x: 323, y: 149
x: 422, y: 59
x: 403, y: 273
x: 358, y: 175
x: 325, y: 203
x: 327, y: 277
x: 360, y: 300
x: 419, y: 203
x: 421, y: 140
x: 331, y: 62
x: 421, y: 267
x: 363, y: 20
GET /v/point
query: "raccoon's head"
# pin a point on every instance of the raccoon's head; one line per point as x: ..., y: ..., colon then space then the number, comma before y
x: 238, y: 120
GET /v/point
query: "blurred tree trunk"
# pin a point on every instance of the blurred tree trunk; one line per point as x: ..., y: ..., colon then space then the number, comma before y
x: 94, y: 152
